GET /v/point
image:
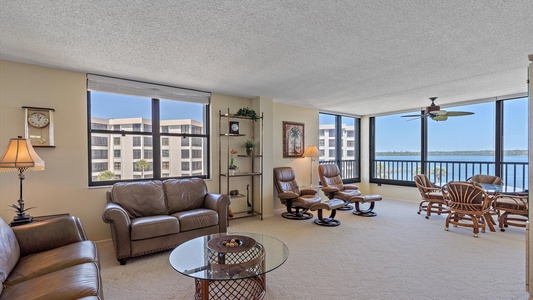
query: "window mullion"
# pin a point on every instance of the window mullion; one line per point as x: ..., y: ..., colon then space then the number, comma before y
x: 156, y: 140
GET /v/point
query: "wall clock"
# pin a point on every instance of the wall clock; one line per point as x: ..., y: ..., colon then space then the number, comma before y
x: 234, y: 127
x: 39, y: 126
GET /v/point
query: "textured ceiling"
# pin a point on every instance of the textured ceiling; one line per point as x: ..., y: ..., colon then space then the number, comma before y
x: 358, y: 57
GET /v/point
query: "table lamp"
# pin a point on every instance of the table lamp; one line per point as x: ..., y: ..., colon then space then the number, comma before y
x: 20, y: 156
x: 312, y: 152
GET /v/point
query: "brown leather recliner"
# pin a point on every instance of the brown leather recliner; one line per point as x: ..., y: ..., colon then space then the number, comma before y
x: 333, y: 187
x: 298, y: 201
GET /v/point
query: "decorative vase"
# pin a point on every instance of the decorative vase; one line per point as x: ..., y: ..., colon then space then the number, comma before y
x: 232, y: 171
x: 249, y: 151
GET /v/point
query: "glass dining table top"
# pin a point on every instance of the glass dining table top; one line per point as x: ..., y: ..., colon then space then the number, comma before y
x: 210, y: 257
x: 497, y: 189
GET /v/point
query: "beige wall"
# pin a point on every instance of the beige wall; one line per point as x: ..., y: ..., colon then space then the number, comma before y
x: 63, y: 186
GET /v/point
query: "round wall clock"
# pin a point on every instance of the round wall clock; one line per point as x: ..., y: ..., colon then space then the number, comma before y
x: 39, y: 126
x: 38, y: 120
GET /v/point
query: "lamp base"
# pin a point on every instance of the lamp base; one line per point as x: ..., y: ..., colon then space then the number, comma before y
x: 19, y: 220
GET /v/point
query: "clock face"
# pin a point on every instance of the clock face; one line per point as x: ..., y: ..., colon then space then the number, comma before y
x: 38, y: 120
x: 235, y: 127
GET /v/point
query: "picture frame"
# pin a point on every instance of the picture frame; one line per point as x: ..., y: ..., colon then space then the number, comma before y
x: 293, y: 139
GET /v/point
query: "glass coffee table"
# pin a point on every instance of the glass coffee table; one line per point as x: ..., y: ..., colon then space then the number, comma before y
x: 229, y: 265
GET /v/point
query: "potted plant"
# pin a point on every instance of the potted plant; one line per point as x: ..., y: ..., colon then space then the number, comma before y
x: 247, y: 112
x: 232, y: 168
x: 249, y: 146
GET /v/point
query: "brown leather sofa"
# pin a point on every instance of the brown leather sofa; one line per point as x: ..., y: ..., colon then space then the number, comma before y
x: 152, y: 216
x: 51, y: 259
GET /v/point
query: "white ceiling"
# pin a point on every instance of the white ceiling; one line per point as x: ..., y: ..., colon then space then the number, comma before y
x: 360, y: 57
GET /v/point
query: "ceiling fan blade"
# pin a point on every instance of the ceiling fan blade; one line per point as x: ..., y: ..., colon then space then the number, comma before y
x: 458, y: 113
x: 414, y: 116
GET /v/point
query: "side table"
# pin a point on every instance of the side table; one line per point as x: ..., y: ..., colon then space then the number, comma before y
x: 42, y: 218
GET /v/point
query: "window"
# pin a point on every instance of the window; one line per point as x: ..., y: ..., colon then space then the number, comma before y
x: 184, y: 153
x: 136, y: 141
x: 147, y: 141
x: 136, y: 154
x: 99, y: 154
x: 339, y: 144
x: 168, y: 119
x: 148, y: 154
x: 196, y: 153
x: 491, y: 141
x: 100, y: 167
x: 117, y: 166
x: 99, y: 141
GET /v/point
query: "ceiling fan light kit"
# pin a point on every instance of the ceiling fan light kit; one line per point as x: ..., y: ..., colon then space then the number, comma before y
x: 436, y: 114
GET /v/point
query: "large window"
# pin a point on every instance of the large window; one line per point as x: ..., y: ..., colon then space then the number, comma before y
x: 145, y: 131
x: 339, y: 144
x: 491, y: 141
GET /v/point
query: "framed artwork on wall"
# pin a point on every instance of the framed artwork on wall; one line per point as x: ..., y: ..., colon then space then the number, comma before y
x: 293, y: 139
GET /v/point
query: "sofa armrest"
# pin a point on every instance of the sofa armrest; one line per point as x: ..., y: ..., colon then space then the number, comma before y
x: 219, y: 203
x: 120, y: 223
x: 49, y: 234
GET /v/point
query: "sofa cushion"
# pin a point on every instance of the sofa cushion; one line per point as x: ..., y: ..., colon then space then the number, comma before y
x: 140, y: 199
x: 9, y: 250
x: 184, y: 194
x: 45, y: 262
x: 149, y: 227
x: 71, y: 283
x: 197, y: 218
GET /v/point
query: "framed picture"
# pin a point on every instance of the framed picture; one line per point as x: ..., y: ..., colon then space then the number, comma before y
x: 293, y: 139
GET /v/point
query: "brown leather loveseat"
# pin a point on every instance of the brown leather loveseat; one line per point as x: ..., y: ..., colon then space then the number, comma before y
x: 151, y: 216
x: 51, y: 259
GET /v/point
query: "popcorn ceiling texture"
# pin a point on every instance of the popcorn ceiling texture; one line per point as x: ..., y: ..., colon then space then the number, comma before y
x: 396, y: 255
x: 358, y: 57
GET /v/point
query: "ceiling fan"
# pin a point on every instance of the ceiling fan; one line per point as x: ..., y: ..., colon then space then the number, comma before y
x: 436, y: 114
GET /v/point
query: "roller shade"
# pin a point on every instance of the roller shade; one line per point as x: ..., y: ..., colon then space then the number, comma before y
x: 137, y: 88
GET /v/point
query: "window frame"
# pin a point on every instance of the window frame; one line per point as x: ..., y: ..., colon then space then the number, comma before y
x: 156, y: 136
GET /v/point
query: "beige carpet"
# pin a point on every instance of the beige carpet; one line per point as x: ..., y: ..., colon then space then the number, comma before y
x: 395, y: 255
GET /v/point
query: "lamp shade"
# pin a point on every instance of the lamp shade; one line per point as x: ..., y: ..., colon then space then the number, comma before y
x: 311, y: 151
x: 20, y: 155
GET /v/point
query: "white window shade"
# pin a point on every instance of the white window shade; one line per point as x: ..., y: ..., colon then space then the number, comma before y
x: 144, y: 89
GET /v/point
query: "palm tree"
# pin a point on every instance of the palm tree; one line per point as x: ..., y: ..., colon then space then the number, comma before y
x: 143, y: 165
x: 105, y: 175
x: 294, y: 134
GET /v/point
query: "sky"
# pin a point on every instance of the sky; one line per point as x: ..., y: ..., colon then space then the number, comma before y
x: 473, y: 132
x: 105, y: 105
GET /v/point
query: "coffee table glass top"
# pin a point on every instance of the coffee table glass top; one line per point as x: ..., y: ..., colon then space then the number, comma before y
x: 210, y: 258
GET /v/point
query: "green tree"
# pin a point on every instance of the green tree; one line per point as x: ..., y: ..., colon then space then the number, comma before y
x: 143, y: 165
x: 294, y: 134
x: 105, y: 175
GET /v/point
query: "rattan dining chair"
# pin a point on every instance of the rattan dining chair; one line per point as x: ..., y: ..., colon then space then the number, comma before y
x: 513, y: 210
x: 432, y: 198
x: 488, y: 179
x: 469, y: 206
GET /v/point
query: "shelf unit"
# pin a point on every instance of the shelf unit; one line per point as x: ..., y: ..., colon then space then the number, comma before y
x: 249, y: 201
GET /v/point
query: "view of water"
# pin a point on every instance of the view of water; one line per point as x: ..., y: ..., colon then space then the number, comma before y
x: 513, y: 174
